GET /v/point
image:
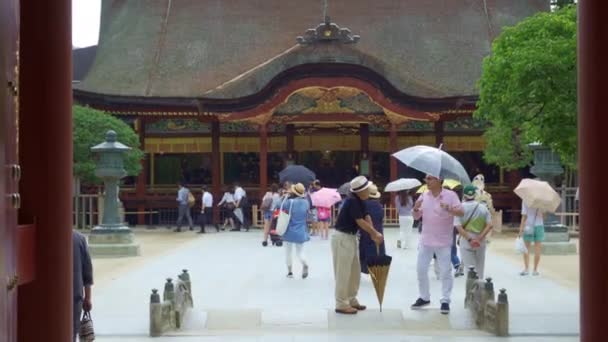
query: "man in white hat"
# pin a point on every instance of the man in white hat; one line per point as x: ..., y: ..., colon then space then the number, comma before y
x: 345, y: 248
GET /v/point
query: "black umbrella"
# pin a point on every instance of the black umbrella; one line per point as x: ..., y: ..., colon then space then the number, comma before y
x: 297, y: 174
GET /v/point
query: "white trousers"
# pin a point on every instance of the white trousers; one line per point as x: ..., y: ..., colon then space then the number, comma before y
x: 425, y: 255
x: 475, y: 257
x: 405, y: 229
x: 299, y: 253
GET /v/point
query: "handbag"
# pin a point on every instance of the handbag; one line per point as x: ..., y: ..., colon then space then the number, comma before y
x: 520, y: 246
x: 86, y: 332
x: 283, y: 219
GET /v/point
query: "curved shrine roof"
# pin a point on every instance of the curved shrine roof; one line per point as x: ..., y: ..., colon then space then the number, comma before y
x: 231, y: 49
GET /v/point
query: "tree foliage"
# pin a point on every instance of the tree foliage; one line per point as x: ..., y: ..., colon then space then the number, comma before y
x: 528, y: 90
x: 89, y: 129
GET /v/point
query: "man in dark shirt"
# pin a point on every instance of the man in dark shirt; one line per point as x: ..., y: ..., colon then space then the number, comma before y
x: 345, y: 249
x: 83, y: 278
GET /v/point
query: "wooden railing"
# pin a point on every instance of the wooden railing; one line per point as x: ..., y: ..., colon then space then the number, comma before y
x: 390, y: 216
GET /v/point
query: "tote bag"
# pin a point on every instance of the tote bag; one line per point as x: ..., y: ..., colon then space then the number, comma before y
x: 283, y: 219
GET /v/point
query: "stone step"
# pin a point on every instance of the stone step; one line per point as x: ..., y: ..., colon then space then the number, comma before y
x: 428, y: 320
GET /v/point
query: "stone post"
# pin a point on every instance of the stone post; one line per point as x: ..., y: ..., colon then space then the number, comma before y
x: 169, y: 292
x: 502, y: 314
x: 112, y: 237
x: 471, y: 279
x: 155, y: 314
x: 487, y: 295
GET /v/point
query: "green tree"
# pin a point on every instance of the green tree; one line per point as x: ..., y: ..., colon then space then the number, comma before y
x: 528, y: 90
x: 90, y: 127
x: 559, y: 4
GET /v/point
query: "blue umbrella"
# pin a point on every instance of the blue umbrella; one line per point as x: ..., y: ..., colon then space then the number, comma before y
x: 297, y: 174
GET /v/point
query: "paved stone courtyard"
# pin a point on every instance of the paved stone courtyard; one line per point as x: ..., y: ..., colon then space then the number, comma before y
x: 241, y: 294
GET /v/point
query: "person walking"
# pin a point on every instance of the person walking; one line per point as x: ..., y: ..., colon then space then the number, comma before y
x: 437, y: 207
x: 82, y: 278
x: 242, y: 206
x: 473, y: 227
x: 404, y: 202
x: 207, y: 210
x: 532, y: 228
x: 270, y: 202
x: 367, y: 246
x: 345, y: 249
x: 183, y: 209
x: 297, y: 233
x: 227, y: 205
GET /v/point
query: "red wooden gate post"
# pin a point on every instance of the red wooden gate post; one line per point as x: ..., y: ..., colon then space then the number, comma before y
x: 45, y: 151
x: 592, y: 75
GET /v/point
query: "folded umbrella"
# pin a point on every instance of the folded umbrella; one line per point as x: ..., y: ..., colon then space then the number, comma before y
x: 538, y: 194
x: 402, y: 184
x: 433, y: 161
x: 378, y: 267
x: 325, y: 197
x: 297, y: 174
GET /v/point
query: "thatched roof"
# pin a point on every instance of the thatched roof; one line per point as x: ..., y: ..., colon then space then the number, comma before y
x: 231, y: 49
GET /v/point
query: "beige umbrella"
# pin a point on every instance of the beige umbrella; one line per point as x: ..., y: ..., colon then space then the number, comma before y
x: 378, y: 267
x: 538, y: 194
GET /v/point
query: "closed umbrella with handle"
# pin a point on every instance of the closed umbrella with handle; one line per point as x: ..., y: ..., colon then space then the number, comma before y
x: 378, y: 267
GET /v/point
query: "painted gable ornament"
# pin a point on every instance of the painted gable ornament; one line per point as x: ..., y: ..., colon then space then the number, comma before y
x: 327, y: 32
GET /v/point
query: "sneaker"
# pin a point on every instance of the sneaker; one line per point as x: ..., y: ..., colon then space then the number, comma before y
x: 398, y: 243
x: 420, y: 303
x: 535, y: 273
x: 459, y: 271
x: 305, y: 272
x: 523, y: 273
x: 445, y: 308
x: 289, y: 275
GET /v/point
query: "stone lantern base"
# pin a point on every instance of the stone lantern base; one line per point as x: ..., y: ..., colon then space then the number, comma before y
x: 557, y: 240
x: 112, y: 242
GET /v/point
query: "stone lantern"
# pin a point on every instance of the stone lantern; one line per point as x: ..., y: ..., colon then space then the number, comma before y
x: 547, y: 167
x: 112, y: 237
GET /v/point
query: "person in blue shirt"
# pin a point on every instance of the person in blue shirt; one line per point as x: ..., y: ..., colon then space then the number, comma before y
x: 297, y: 229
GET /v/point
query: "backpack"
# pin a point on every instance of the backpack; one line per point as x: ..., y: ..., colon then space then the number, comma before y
x: 266, y: 202
x: 191, y: 200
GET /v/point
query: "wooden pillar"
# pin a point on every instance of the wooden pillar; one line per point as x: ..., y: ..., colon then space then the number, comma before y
x: 290, y: 131
x: 263, y: 159
x: 216, y: 160
x: 140, y: 187
x: 592, y: 75
x: 45, y: 150
x: 439, y: 133
x: 365, y: 155
x: 393, y: 148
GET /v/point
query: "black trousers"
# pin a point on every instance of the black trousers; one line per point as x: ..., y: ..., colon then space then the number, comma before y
x: 207, y: 219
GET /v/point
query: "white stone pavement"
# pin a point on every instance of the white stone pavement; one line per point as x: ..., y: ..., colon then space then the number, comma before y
x: 241, y: 294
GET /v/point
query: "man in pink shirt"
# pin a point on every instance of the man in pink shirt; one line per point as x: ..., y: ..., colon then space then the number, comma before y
x: 437, y: 208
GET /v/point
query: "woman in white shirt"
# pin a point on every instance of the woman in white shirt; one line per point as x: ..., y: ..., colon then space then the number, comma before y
x: 532, y: 229
x: 228, y: 204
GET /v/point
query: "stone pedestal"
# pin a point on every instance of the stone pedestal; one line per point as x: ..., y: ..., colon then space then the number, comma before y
x: 557, y: 241
x: 112, y: 242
